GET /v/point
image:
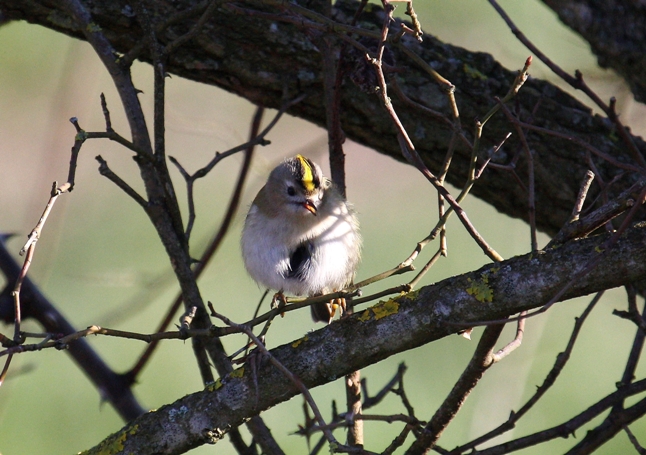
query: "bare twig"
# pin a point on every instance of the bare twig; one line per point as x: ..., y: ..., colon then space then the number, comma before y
x: 580, y: 199
x: 515, y: 343
x: 491, y: 153
x: 569, y: 427
x: 193, y: 32
x: 638, y: 342
x: 576, y: 82
x: 30, y: 247
x: 561, y: 360
x: 531, y: 203
x: 596, y: 219
x: 586, y: 268
x: 211, y: 249
x: 256, y: 138
x: 440, y: 252
x: 297, y: 382
x: 62, y: 342
x: 105, y: 171
x: 520, y: 79
x: 633, y: 440
x: 409, y: 152
x: 5, y: 369
x: 482, y: 359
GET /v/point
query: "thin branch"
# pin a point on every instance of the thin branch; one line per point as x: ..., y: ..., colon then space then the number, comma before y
x: 34, y: 235
x: 577, y: 83
x: 440, y: 252
x: 5, y: 369
x: 561, y: 360
x: 256, y: 139
x: 638, y: 342
x: 163, y: 184
x: 482, y: 359
x: 569, y: 427
x: 409, y: 152
x: 633, y: 440
x: 30, y: 247
x: 215, y: 243
x: 594, y: 220
x: 587, y: 268
x: 515, y: 343
x: 520, y: 79
x: 288, y: 374
x: 531, y: 184
x: 105, y: 171
x: 193, y: 32
x: 371, y: 401
x: 583, y: 193
x: 62, y: 342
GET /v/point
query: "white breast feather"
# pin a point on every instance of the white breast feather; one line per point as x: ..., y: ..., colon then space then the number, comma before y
x: 336, y: 243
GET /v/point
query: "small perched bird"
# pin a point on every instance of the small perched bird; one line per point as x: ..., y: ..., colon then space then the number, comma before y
x: 300, y: 236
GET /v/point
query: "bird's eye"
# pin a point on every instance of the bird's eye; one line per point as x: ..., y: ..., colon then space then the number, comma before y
x: 291, y: 191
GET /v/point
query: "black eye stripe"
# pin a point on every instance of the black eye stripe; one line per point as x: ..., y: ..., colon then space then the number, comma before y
x: 315, y: 174
x: 308, y: 175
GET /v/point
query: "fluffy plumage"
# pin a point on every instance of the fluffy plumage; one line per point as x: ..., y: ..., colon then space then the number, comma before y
x: 300, y: 236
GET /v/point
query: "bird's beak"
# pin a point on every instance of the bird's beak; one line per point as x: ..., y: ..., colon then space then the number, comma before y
x: 309, y: 205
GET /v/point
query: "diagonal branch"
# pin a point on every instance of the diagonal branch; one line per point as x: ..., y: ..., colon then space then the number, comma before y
x: 114, y: 387
x: 387, y: 328
x: 213, y: 57
x: 482, y: 359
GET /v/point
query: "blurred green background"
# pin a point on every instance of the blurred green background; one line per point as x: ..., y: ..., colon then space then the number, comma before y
x: 100, y: 262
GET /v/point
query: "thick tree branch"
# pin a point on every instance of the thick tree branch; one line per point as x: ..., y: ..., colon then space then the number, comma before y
x: 219, y: 55
x: 616, y: 31
x: 112, y: 386
x: 378, y: 332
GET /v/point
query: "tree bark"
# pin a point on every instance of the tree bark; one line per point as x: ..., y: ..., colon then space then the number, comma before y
x: 390, y: 327
x: 616, y: 31
x: 262, y: 49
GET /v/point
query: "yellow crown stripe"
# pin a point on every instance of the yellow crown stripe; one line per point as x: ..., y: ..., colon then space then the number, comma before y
x: 308, y: 173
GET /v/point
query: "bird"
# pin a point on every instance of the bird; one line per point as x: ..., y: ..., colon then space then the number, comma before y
x: 301, y: 237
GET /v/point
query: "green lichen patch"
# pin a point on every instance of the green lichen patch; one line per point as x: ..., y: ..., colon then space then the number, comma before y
x: 297, y: 343
x: 380, y: 310
x: 480, y: 289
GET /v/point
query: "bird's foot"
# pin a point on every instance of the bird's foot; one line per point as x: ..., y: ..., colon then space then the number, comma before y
x: 278, y: 302
x: 337, y: 304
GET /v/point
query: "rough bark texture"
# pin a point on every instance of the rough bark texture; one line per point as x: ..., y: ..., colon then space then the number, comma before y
x: 261, y: 53
x: 399, y: 324
x: 257, y: 57
x: 616, y: 31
